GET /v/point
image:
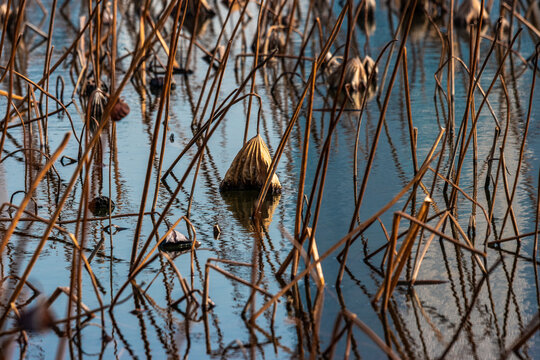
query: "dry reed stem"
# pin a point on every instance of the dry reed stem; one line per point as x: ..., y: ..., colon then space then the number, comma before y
x: 351, y: 235
x: 30, y: 193
x: 403, y: 255
x: 377, y: 340
x: 376, y: 136
x: 418, y: 261
x: 285, y: 137
x: 164, y: 95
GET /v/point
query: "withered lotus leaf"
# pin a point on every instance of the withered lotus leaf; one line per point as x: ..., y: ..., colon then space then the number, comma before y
x: 250, y: 168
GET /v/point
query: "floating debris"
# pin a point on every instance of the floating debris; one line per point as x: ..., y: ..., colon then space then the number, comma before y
x: 250, y: 168
x: 99, y: 206
x: 157, y: 83
x: 176, y: 241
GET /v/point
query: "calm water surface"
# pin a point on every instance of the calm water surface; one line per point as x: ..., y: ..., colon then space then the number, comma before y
x: 422, y: 320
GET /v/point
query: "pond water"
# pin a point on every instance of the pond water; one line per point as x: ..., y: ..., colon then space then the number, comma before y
x: 421, y: 321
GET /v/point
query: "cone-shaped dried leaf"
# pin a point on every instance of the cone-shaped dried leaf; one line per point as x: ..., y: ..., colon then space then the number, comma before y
x: 250, y: 168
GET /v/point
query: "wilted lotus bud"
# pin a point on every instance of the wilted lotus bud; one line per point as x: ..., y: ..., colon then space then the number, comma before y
x: 370, y: 67
x: 354, y: 78
x: 250, y: 168
x: 90, y: 87
x: 120, y: 110
x: 96, y: 106
x: 99, y: 206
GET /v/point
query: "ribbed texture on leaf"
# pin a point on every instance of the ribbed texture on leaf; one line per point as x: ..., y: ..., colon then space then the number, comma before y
x: 250, y: 168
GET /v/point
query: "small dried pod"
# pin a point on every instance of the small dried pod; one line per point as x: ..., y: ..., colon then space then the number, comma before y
x: 99, y: 206
x: 120, y: 110
x: 250, y: 168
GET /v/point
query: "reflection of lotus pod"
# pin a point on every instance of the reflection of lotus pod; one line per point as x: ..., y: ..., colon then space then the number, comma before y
x: 502, y: 31
x: 11, y: 19
x: 107, y: 14
x: 99, y: 206
x: 205, y: 12
x: 234, y: 4
x: 533, y: 15
x: 241, y: 204
x: 250, y: 168
x: 176, y: 241
x: 120, y: 110
x: 366, y: 12
x: 272, y: 40
x: 469, y: 12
